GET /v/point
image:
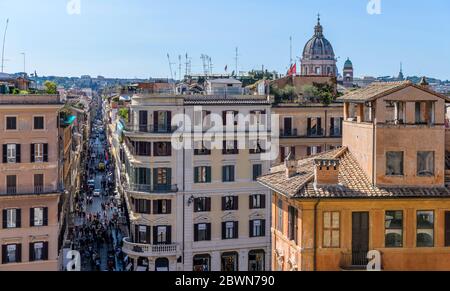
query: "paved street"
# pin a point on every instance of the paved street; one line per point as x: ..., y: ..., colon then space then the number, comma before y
x: 98, y: 233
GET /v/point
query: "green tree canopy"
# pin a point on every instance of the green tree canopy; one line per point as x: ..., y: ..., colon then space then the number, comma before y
x: 50, y: 87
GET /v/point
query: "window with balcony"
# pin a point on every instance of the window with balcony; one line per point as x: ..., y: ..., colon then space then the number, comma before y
x: 257, y: 201
x: 11, y: 184
x: 331, y: 229
x: 38, y: 251
x: 314, y: 127
x: 202, y: 232
x: 162, y: 235
x: 288, y: 129
x: 12, y: 218
x: 142, y: 234
x: 163, y: 179
x: 228, y: 174
x: 142, y: 179
x: 143, y: 121
x: 230, y: 230
x: 202, y: 204
x: 38, y: 216
x: 257, y: 171
x: 257, y: 228
x: 38, y: 123
x: 162, y: 149
x: 425, y: 229
x: 38, y: 183
x: 202, y: 175
x: 11, y: 253
x: 293, y: 224
x: 162, y: 207
x: 11, y: 123
x: 394, y: 164
x: 162, y: 121
x: 425, y: 164
x: 394, y: 229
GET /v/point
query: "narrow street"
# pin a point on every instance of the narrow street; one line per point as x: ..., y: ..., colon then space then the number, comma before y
x: 98, y: 233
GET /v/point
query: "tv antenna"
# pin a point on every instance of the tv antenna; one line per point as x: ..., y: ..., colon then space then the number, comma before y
x: 170, y: 66
x: 3, y: 49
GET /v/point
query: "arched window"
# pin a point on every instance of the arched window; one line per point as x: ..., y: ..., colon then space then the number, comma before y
x: 230, y: 262
x: 256, y: 260
x: 202, y: 263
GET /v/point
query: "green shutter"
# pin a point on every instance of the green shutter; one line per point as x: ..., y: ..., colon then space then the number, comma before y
x: 196, y: 169
x: 208, y: 174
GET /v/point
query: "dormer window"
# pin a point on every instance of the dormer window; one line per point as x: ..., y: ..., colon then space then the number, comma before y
x: 425, y: 113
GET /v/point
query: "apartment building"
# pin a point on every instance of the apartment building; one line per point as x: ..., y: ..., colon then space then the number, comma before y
x: 29, y: 188
x: 197, y: 207
x: 309, y: 129
x: 383, y: 191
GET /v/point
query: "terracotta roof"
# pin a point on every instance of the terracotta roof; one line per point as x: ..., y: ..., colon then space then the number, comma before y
x: 380, y: 89
x: 353, y: 182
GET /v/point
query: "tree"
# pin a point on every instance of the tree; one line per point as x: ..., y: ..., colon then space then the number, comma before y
x: 123, y: 112
x: 50, y: 87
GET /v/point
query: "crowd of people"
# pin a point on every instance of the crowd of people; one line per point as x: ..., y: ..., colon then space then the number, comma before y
x: 97, y: 233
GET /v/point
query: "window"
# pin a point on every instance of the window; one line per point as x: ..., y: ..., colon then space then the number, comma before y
x: 11, y: 253
x: 11, y: 184
x: 230, y: 230
x: 425, y: 229
x: 142, y: 206
x: 142, y: 148
x: 425, y: 112
x: 425, y: 164
x: 162, y: 235
x: 228, y: 174
x: 314, y: 150
x: 257, y: 171
x: 142, y: 178
x: 394, y: 229
x: 255, y: 147
x: 11, y: 218
x: 292, y: 221
x: 202, y: 263
x: 257, y: 201
x: 285, y: 151
x: 38, y: 251
x: 257, y: 228
x: 163, y: 179
x: 38, y: 123
x: 202, y: 232
x: 202, y: 149
x: 229, y: 116
x: 230, y: 147
x: 12, y: 153
x: 38, y: 183
x: 395, y: 112
x: 230, y: 203
x: 202, y: 175
x: 230, y: 262
x: 202, y: 204
x: 256, y: 261
x: 315, y: 126
x: 162, y: 121
x: 336, y: 126
x: 163, y: 149
x: 394, y: 164
x: 142, y: 234
x: 162, y: 207
x: 331, y: 229
x: 280, y: 216
x: 447, y: 228
x: 39, y: 153
x: 38, y: 216
x: 11, y: 123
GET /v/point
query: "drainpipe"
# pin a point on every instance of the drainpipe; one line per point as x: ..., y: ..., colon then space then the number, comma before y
x: 315, y: 233
x: 184, y: 192
x: 374, y: 132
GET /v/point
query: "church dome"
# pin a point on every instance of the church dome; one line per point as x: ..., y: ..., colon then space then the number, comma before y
x: 318, y: 47
x: 348, y: 64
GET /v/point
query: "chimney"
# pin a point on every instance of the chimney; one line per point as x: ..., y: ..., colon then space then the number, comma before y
x: 291, y: 166
x: 326, y: 172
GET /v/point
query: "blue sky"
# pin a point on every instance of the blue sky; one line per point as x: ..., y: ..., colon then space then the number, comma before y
x: 131, y: 38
